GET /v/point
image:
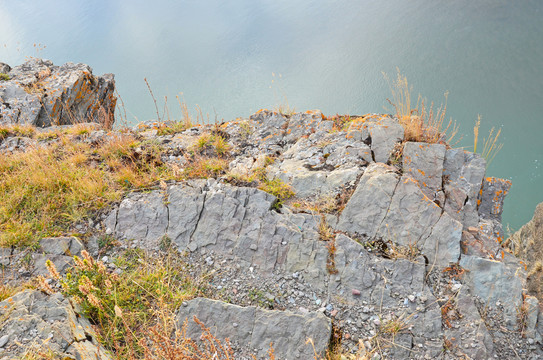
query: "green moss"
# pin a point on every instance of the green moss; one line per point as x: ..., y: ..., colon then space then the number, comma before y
x: 4, y: 77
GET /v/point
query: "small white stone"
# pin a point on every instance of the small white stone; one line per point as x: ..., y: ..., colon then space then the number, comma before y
x: 4, y: 340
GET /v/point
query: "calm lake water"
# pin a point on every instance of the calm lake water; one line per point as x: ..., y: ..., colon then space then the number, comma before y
x: 330, y: 54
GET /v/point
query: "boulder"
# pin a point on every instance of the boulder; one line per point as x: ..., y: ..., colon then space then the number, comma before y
x: 4, y: 68
x: 255, y: 329
x: 495, y: 282
x: 42, y: 94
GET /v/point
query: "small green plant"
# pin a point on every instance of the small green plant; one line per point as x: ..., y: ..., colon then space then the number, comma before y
x: 278, y: 188
x: 4, y: 77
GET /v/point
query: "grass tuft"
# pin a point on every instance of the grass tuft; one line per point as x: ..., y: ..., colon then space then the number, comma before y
x: 422, y: 123
x: 491, y: 146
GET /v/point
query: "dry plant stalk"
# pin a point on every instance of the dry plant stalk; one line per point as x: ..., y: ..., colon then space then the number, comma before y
x: 421, y: 123
x: 491, y: 147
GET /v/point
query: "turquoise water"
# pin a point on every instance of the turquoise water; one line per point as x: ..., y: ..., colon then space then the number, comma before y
x: 330, y: 54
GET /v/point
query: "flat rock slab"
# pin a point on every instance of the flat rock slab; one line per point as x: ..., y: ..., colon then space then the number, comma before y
x: 255, y: 328
x: 47, y: 322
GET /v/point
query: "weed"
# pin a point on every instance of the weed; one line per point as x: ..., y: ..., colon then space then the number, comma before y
x: 421, y: 123
x: 491, y: 147
x: 125, y: 305
x: 7, y: 290
x: 449, y: 312
x: 283, y: 107
x: 278, y: 188
x: 4, y: 77
x: 326, y: 234
x: 106, y: 242
x: 221, y: 146
x: 205, y: 167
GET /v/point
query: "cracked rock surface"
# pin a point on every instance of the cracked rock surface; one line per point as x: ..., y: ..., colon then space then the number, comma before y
x: 256, y: 328
x: 32, y: 319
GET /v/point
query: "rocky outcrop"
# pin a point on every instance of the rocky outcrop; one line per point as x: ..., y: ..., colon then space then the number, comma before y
x: 257, y: 329
x: 408, y: 262
x: 527, y: 244
x: 431, y: 203
x: 34, y: 320
x: 41, y: 94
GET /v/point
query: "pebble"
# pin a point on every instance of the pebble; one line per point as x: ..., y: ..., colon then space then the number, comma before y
x: 355, y: 292
x: 411, y: 298
x: 4, y: 340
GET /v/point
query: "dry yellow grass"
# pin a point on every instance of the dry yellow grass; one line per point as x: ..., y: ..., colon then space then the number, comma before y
x: 491, y: 146
x: 421, y: 123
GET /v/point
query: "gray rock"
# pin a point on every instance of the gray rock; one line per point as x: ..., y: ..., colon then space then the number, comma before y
x: 257, y: 328
x: 384, y: 133
x: 301, y: 124
x: 63, y: 245
x: 493, y: 195
x: 49, y: 321
x: 42, y: 94
x: 269, y: 130
x: 4, y: 340
x: 4, y: 68
x: 463, y: 174
x: 424, y: 162
x: 61, y: 262
x: 468, y: 331
x: 5, y: 256
x: 395, y: 209
x: 532, y: 313
x: 143, y: 217
x: 368, y: 206
x: 493, y: 281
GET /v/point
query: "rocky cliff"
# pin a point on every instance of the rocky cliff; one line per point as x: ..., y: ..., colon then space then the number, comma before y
x: 332, y: 229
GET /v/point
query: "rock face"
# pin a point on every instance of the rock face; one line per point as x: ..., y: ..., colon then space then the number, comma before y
x: 32, y: 319
x: 432, y: 202
x: 256, y: 328
x: 41, y: 94
x: 409, y: 262
x: 527, y: 244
